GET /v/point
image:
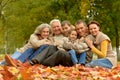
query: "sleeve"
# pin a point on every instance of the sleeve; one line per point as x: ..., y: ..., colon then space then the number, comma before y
x: 103, y: 51
x: 36, y: 42
x: 67, y: 45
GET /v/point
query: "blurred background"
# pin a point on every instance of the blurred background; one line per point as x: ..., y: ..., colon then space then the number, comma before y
x: 19, y: 18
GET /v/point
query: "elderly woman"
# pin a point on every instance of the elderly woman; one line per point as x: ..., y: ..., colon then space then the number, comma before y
x: 38, y: 41
x: 100, y: 44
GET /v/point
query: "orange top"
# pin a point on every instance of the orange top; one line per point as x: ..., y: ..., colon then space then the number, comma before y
x: 103, y: 52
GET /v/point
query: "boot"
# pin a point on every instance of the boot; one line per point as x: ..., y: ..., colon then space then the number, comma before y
x: 16, y: 63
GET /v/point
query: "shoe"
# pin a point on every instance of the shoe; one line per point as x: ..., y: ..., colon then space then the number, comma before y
x: 26, y: 64
x: 10, y: 61
x: 16, y: 63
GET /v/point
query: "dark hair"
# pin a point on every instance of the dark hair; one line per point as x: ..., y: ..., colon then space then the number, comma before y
x: 94, y: 22
x: 65, y: 22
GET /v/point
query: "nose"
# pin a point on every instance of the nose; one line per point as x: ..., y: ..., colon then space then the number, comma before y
x: 80, y: 30
x: 93, y: 30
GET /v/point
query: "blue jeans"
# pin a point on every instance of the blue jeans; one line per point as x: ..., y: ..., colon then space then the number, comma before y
x: 30, y: 53
x: 15, y: 55
x: 81, y: 57
x: 100, y: 62
x: 27, y: 55
x: 38, y: 51
x: 73, y: 56
x: 77, y: 58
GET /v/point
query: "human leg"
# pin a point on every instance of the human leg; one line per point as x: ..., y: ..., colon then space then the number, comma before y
x: 60, y: 57
x: 13, y: 62
x: 45, y: 53
x: 100, y: 62
x: 73, y: 56
x: 23, y: 57
x: 15, y: 55
x: 39, y: 50
x: 81, y: 58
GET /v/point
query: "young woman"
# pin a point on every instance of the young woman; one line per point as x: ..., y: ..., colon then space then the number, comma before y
x: 38, y: 41
x: 100, y: 44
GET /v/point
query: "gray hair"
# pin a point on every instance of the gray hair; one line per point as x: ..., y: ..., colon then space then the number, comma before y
x: 39, y: 29
x: 55, y: 20
x: 81, y: 21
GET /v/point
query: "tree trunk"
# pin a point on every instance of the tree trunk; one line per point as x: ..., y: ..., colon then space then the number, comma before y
x: 117, y: 43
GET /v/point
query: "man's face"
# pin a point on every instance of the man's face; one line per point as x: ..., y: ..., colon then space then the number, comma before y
x: 66, y: 28
x: 81, y: 29
x: 56, y: 28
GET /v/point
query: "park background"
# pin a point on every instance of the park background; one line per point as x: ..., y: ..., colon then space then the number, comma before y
x: 19, y: 18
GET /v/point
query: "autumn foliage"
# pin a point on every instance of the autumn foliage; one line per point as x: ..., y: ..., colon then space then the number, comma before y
x: 40, y: 72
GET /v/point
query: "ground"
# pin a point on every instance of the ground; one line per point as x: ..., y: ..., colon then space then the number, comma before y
x: 40, y: 72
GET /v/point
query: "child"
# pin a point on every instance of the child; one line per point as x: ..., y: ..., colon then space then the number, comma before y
x: 75, y: 47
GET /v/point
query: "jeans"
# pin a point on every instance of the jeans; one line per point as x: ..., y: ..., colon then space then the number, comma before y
x: 15, y: 55
x: 77, y: 58
x: 81, y: 58
x: 39, y: 50
x: 73, y: 56
x: 27, y: 55
x: 30, y: 53
x: 100, y: 62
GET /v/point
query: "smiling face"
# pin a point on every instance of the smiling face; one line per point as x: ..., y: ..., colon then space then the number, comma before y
x: 73, y: 35
x: 81, y: 29
x: 94, y: 29
x: 65, y: 29
x: 45, y: 33
x: 56, y: 28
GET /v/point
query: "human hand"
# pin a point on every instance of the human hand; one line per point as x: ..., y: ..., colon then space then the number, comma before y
x: 47, y: 42
x: 89, y: 42
x: 81, y: 39
x: 57, y: 43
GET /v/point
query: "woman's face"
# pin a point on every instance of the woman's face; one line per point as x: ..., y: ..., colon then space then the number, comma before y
x: 94, y: 29
x: 81, y: 29
x: 45, y: 33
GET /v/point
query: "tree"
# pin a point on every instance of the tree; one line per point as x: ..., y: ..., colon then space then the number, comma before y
x: 114, y: 15
x: 3, y: 4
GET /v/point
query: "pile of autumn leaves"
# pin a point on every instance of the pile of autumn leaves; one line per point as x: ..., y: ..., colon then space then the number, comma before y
x: 40, y: 72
